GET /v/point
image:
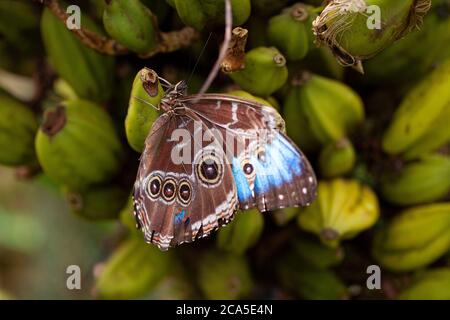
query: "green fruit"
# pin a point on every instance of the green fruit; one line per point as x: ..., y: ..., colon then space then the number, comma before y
x: 264, y: 73
x: 316, y: 254
x: 224, y: 276
x: 18, y: 126
x: 343, y: 209
x: 419, y: 111
x: 424, y: 180
x: 133, y: 269
x: 132, y: 24
x: 290, y: 31
x: 92, y: 77
x: 414, y: 238
x: 142, y: 108
x: 356, y: 30
x: 97, y: 203
x: 337, y: 158
x: 432, y: 284
x: 242, y: 233
x: 77, y: 145
x: 202, y: 14
x: 328, y: 108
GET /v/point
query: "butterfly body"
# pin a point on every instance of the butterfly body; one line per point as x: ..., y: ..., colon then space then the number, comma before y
x: 209, y: 155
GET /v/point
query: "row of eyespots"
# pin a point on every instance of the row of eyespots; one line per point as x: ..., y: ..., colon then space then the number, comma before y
x: 169, y: 189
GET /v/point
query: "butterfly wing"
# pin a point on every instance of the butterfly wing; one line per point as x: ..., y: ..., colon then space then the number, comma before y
x: 270, y: 172
x: 179, y: 201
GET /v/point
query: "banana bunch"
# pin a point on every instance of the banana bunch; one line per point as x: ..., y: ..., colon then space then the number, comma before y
x: 264, y: 71
x: 97, y: 203
x: 142, y: 107
x: 351, y: 28
x: 132, y: 270
x: 432, y: 284
x: 202, y: 14
x: 308, y: 281
x: 343, y: 209
x: 422, y: 49
x: 92, y: 77
x: 242, y: 233
x: 77, y: 145
x: 414, y: 238
x: 420, y: 124
x: 290, y: 31
x: 424, y: 180
x: 132, y: 24
x: 337, y: 158
x: 18, y: 126
x: 224, y: 276
x: 319, y: 111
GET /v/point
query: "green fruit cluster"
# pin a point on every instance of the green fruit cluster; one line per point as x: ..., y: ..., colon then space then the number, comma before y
x: 77, y: 106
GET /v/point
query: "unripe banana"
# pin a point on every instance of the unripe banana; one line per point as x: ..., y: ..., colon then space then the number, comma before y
x: 64, y: 90
x: 343, y: 209
x: 231, y: 278
x: 420, y: 109
x: 309, y: 282
x: 132, y: 24
x: 142, y: 107
x: 202, y: 14
x: 424, y: 180
x: 337, y: 158
x: 92, y: 77
x: 351, y: 28
x: 290, y: 31
x: 414, y: 238
x: 432, y: 284
x: 329, y: 108
x: 424, y: 49
x: 97, y: 203
x: 249, y: 96
x: 242, y: 233
x: 264, y: 73
x: 132, y: 270
x: 77, y: 145
x: 18, y: 126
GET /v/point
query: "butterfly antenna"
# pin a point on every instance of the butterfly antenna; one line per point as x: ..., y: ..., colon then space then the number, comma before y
x: 165, y: 82
x: 198, y: 59
x: 223, y: 50
x: 146, y: 102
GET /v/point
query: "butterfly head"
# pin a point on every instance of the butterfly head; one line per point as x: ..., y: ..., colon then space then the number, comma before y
x: 173, y: 93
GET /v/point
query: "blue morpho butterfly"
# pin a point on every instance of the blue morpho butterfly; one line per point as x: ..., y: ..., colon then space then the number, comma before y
x: 185, y: 190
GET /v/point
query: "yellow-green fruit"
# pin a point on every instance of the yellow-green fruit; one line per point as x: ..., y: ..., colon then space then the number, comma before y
x: 133, y: 270
x: 414, y: 238
x: 264, y: 71
x: 132, y: 24
x: 424, y: 180
x: 224, y: 276
x: 418, y: 112
x: 343, y: 209
x: 316, y: 254
x: 97, y: 203
x: 290, y: 31
x: 432, y: 284
x: 242, y: 233
x: 423, y: 48
x: 77, y: 145
x: 177, y: 285
x: 337, y: 158
x: 308, y: 281
x: 142, y: 108
x: 209, y: 13
x: 88, y: 72
x: 18, y: 126
x: 358, y: 29
x: 330, y: 109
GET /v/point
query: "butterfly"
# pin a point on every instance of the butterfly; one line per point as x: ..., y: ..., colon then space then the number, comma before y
x: 234, y: 154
